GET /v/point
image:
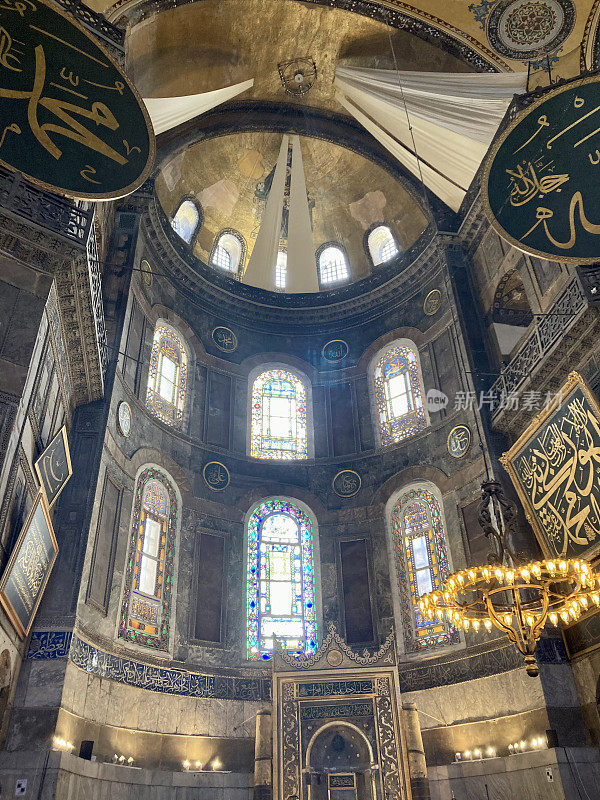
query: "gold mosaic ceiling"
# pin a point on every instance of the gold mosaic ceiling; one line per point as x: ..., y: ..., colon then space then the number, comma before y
x: 347, y: 192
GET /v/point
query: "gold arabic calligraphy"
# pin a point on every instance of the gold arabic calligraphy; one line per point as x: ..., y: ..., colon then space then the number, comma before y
x: 560, y: 472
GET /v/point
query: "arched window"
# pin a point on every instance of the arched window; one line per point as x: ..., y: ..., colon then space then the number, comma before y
x: 167, y: 376
x: 280, y: 588
x: 278, y: 416
x: 146, y: 608
x: 333, y: 265
x: 281, y: 270
x: 228, y: 251
x: 186, y: 220
x: 421, y: 556
x: 398, y: 394
x: 382, y: 245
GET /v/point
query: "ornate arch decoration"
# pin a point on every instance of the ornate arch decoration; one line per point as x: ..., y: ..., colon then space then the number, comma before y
x: 511, y: 306
x: 421, y: 558
x: 146, y: 607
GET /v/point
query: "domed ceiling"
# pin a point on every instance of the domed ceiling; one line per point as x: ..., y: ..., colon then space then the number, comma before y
x: 347, y: 192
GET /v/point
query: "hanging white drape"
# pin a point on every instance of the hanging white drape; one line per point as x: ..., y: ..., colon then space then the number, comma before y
x: 168, y: 112
x: 301, y: 267
x: 261, y: 266
x: 453, y: 117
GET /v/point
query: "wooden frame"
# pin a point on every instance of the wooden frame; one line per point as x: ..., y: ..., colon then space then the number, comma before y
x: 41, y: 468
x: 4, y: 599
x: 574, y: 383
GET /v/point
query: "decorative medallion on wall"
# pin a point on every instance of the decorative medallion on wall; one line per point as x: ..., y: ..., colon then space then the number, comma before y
x: 459, y: 441
x: 539, y: 186
x: 225, y: 339
x: 334, y: 657
x: 346, y: 483
x: 528, y: 29
x: 432, y: 303
x: 216, y: 476
x: 146, y: 273
x: 335, y: 350
x: 124, y: 418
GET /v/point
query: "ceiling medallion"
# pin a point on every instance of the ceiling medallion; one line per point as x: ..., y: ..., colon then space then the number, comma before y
x: 297, y: 76
x: 216, y: 476
x: 528, y: 29
x: 432, y: 303
x: 346, y: 483
x: 459, y: 441
x: 225, y: 339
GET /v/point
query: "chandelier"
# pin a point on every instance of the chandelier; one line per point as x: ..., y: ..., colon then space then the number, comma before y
x: 511, y: 592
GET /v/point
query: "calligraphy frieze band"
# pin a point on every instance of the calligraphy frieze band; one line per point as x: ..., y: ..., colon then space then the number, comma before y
x: 53, y: 467
x: 555, y: 467
x: 541, y: 182
x: 27, y: 572
x: 70, y: 119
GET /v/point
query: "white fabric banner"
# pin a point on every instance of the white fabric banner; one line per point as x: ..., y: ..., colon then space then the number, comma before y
x: 453, y: 118
x: 301, y: 266
x: 168, y: 112
x: 261, y: 266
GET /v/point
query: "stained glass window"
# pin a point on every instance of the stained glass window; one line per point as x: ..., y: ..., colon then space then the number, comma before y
x: 280, y: 588
x: 186, y: 220
x: 398, y: 394
x: 333, y: 266
x: 421, y: 555
x: 278, y: 416
x: 228, y: 251
x: 167, y: 376
x: 145, y: 613
x: 382, y: 245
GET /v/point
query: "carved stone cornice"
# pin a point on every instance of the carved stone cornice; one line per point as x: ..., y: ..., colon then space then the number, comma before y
x: 334, y: 652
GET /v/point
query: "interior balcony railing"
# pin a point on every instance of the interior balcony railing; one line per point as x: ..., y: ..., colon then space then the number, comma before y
x: 554, y: 345
x: 97, y: 24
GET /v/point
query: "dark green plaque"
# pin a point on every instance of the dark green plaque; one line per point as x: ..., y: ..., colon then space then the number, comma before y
x: 29, y: 567
x: 70, y: 120
x: 555, y: 467
x: 53, y: 467
x: 541, y: 182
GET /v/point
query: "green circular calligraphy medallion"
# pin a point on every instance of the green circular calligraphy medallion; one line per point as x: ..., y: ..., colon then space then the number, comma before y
x: 541, y: 181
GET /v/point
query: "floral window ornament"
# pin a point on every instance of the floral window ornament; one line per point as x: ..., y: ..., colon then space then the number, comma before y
x: 147, y: 598
x: 280, y: 587
x: 278, y: 416
x: 398, y: 395
x: 167, y: 377
x: 421, y: 557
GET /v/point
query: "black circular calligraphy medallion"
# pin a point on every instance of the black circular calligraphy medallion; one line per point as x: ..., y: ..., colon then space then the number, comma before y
x: 70, y: 119
x: 335, y: 350
x: 432, y: 303
x: 346, y: 483
x: 459, y: 441
x: 225, y: 339
x: 541, y: 181
x: 216, y: 476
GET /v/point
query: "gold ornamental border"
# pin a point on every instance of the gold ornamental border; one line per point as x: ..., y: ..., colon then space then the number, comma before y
x: 485, y: 176
x: 144, y: 174
x: 4, y: 601
x: 574, y: 381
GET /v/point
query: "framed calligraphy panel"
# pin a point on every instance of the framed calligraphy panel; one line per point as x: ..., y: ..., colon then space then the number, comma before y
x: 28, y: 569
x: 555, y: 467
x: 541, y: 182
x: 70, y: 119
x: 53, y: 467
